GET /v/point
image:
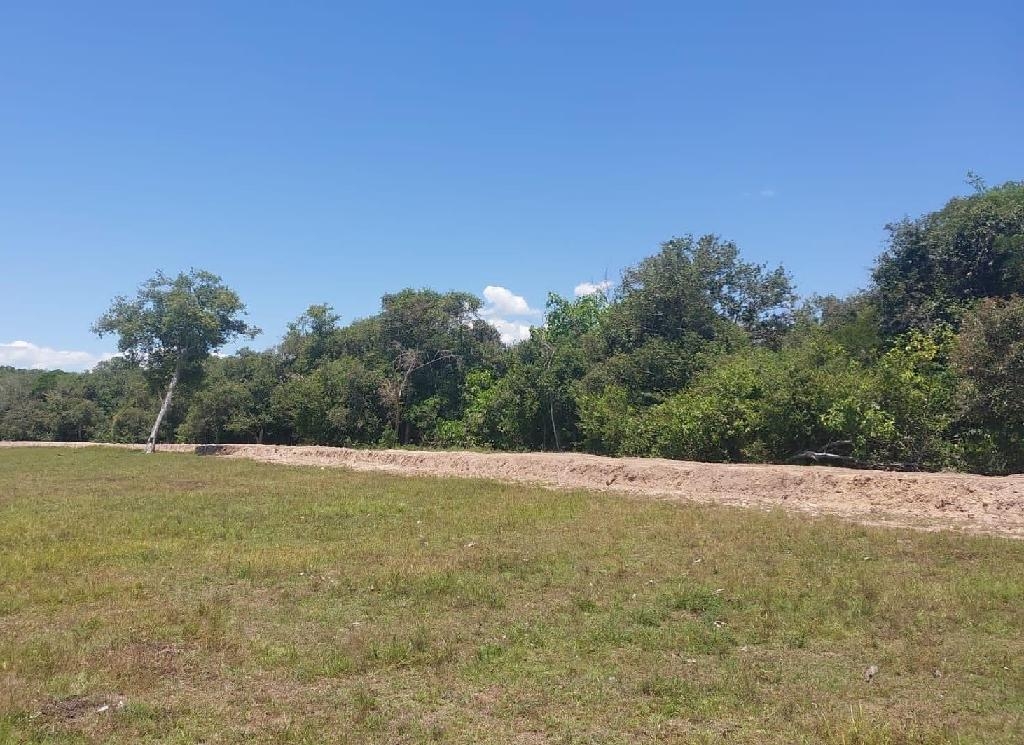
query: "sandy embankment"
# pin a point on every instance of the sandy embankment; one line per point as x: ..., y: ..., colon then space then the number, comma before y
x: 929, y: 501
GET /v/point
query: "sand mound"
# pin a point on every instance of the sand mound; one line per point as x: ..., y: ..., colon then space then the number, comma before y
x: 929, y: 501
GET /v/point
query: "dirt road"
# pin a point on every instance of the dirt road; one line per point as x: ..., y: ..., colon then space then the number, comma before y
x: 926, y: 501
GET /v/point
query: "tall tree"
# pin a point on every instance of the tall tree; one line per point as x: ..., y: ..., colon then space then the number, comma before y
x: 938, y: 265
x: 693, y: 284
x: 429, y: 340
x: 172, y: 325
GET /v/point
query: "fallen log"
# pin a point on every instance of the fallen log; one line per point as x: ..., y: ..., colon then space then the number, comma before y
x: 824, y: 458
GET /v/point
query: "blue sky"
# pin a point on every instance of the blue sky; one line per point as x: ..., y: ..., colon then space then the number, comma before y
x: 327, y: 152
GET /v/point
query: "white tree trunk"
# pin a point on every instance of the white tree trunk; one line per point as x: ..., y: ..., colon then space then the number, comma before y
x: 151, y: 442
x: 554, y: 427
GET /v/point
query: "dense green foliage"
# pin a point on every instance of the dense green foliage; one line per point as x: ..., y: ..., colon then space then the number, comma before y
x: 936, y: 267
x: 695, y: 354
x: 175, y: 322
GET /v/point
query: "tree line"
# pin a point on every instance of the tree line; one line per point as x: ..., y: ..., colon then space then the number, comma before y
x: 695, y: 354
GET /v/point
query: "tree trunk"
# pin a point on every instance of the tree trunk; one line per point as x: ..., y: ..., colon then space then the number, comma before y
x: 151, y: 442
x: 554, y: 427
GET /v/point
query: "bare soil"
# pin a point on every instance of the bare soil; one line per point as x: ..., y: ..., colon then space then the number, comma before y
x: 925, y: 501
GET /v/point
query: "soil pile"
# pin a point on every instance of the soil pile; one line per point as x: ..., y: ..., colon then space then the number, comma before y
x: 928, y: 501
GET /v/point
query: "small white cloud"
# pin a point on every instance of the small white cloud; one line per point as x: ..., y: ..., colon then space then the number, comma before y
x: 509, y: 313
x: 26, y: 355
x: 590, y: 288
x: 510, y: 331
x: 766, y: 193
x: 503, y: 302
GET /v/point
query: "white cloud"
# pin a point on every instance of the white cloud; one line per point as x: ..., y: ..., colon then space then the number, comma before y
x: 510, y: 331
x: 589, y: 288
x: 767, y: 193
x: 503, y: 302
x: 508, y: 312
x: 25, y: 354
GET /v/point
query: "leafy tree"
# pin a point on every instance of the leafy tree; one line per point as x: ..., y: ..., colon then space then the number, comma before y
x: 560, y: 354
x: 73, y: 415
x: 311, y: 338
x: 427, y: 341
x: 395, y: 388
x: 117, y: 386
x: 758, y: 404
x: 258, y: 373
x: 338, y: 403
x: 673, y: 311
x: 235, y: 402
x: 568, y: 320
x: 610, y: 423
x: 129, y: 424
x: 937, y: 265
x: 916, y: 387
x: 23, y: 414
x: 718, y: 418
x: 693, y: 284
x: 172, y: 326
x: 852, y: 322
x: 989, y: 357
x: 503, y: 410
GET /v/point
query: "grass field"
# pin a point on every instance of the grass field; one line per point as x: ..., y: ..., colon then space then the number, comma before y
x: 223, y: 601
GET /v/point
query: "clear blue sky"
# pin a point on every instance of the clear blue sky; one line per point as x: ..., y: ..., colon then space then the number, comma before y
x: 327, y: 152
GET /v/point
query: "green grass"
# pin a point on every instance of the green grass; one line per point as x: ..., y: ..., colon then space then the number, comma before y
x: 224, y: 601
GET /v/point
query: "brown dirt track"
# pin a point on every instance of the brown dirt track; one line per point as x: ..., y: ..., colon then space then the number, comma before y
x: 925, y: 501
